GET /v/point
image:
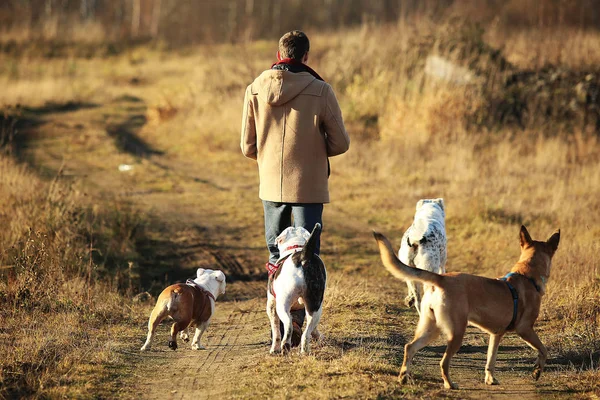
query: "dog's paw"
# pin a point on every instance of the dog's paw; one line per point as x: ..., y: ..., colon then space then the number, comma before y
x: 409, y: 301
x: 404, y: 378
x: 286, y: 349
x: 304, y: 349
x: 275, y: 347
x: 198, y: 347
x: 173, y: 344
x: 490, y: 380
x: 144, y: 348
x: 185, y: 337
x: 537, y: 372
x: 449, y: 385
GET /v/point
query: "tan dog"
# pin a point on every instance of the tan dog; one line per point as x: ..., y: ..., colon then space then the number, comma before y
x: 189, y: 304
x: 454, y: 300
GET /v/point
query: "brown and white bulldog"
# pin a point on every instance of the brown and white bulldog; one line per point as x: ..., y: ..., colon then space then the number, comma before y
x: 188, y: 304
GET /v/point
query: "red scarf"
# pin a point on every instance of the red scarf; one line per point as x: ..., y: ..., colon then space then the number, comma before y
x: 299, y: 66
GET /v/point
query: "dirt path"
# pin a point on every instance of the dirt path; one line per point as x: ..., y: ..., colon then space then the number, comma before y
x: 212, y: 219
x: 206, y: 373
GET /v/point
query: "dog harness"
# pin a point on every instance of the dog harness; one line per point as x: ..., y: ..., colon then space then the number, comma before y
x: 515, y: 295
x: 192, y: 283
x: 273, y: 268
x: 202, y: 307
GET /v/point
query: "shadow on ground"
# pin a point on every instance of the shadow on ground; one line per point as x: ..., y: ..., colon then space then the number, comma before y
x: 125, y: 132
x: 169, y: 254
x: 582, y: 361
x: 18, y: 125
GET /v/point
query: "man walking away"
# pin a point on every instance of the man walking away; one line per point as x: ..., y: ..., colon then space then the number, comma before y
x: 291, y: 124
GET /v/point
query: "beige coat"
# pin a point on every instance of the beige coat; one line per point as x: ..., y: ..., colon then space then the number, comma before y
x: 291, y: 123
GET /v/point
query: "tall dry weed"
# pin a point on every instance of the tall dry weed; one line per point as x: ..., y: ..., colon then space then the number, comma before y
x: 57, y: 261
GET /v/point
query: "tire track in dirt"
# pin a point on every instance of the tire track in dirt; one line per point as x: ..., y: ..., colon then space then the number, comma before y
x: 191, y: 380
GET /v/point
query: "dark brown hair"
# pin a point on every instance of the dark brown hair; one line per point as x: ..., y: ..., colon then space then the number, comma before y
x: 294, y: 45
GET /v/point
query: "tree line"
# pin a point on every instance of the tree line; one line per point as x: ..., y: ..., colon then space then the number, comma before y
x: 181, y: 22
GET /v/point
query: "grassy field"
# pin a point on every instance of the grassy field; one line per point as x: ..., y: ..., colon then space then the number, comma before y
x: 80, y: 239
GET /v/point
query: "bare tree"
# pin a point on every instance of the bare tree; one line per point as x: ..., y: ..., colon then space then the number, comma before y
x: 155, y: 18
x: 136, y: 15
x: 87, y: 9
x: 182, y: 22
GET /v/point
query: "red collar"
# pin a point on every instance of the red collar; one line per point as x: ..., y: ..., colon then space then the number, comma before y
x: 296, y: 246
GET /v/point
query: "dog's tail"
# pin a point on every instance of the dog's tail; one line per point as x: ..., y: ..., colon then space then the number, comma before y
x: 314, y: 272
x: 401, y: 270
x: 311, y: 245
x: 173, y: 300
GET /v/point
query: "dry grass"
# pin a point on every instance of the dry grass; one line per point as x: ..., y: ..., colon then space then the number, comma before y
x: 60, y: 304
x: 534, y: 48
x: 413, y: 138
x: 357, y: 359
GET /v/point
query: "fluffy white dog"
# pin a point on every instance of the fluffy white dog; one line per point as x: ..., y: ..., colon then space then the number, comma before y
x: 424, y: 245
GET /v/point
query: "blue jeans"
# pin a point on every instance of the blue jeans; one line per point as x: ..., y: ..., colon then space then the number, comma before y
x: 278, y: 216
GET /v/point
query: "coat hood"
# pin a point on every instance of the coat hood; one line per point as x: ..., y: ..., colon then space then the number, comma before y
x: 277, y: 87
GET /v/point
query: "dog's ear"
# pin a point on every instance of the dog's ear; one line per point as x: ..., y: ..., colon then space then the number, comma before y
x: 282, y: 236
x: 553, y: 240
x: 440, y: 202
x: 200, y: 272
x: 219, y: 276
x: 524, y: 237
x: 419, y: 204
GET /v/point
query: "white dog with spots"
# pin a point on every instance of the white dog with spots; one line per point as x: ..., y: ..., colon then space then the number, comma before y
x: 299, y: 282
x: 424, y: 245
